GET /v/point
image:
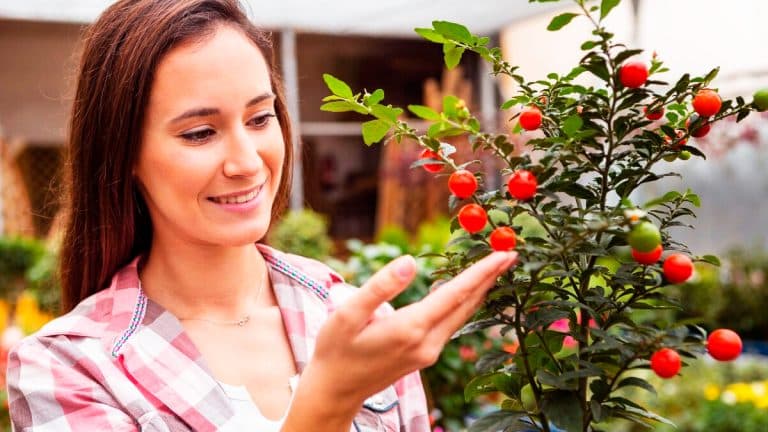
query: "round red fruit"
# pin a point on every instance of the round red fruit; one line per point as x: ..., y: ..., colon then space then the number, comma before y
x: 678, y: 268
x: 503, y: 239
x: 666, y: 362
x: 707, y: 103
x: 530, y: 118
x: 462, y: 183
x: 429, y: 154
x: 648, y: 258
x: 702, y: 128
x: 633, y: 74
x: 724, y: 344
x: 655, y: 114
x: 522, y: 185
x: 472, y: 218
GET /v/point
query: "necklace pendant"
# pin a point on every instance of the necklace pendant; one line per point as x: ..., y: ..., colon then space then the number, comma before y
x: 244, y: 321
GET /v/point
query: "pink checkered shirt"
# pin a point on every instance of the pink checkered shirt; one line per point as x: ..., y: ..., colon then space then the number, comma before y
x: 120, y: 362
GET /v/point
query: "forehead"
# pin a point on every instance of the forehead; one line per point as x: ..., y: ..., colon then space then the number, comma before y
x: 220, y: 66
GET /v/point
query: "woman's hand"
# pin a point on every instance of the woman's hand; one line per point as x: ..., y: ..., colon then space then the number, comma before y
x: 359, y: 353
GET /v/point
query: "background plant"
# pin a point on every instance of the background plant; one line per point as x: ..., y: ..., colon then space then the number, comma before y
x: 594, y: 148
x: 303, y: 232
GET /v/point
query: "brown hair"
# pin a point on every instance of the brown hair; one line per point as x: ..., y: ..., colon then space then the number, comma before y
x: 107, y: 222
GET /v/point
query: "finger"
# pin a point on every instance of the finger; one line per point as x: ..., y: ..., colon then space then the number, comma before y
x: 447, y: 305
x: 383, y: 286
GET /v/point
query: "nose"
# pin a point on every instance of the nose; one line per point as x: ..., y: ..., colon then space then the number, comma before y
x: 242, y: 158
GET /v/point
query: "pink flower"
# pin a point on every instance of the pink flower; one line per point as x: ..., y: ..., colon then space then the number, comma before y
x: 467, y: 353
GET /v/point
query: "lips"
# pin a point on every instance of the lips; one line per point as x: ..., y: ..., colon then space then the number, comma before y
x: 237, y: 197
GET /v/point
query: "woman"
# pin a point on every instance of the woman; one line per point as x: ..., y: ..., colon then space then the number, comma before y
x: 178, y: 318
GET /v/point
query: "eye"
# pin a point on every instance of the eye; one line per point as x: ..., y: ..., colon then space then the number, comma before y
x: 261, y: 121
x: 198, y: 135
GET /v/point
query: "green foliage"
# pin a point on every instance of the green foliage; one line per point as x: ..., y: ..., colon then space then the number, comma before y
x: 734, y: 296
x: 18, y: 256
x: 303, y: 232
x: 595, y: 148
x: 708, y: 397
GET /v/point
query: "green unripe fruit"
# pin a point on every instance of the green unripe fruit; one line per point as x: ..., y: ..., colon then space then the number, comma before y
x: 527, y: 398
x: 684, y: 155
x: 761, y: 99
x: 670, y: 157
x: 644, y: 237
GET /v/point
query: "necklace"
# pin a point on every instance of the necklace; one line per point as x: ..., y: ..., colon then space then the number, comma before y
x: 245, y: 319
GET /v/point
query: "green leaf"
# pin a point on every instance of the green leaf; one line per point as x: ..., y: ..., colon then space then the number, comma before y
x: 382, y: 112
x: 606, y: 6
x: 424, y: 112
x: 430, y: 35
x: 375, y: 97
x: 563, y: 408
x: 588, y: 45
x: 561, y: 21
x: 667, y: 197
x: 711, y: 259
x: 501, y: 420
x: 337, y: 86
x: 479, y: 385
x: 637, y: 382
x: 572, y: 124
x: 337, y: 106
x: 374, y: 131
x: 453, y: 31
x: 522, y: 99
x: 449, y: 105
x: 452, y: 55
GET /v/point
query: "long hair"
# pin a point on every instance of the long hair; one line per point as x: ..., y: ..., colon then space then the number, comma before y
x: 106, y: 221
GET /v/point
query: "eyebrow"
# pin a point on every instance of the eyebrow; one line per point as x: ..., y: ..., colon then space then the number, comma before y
x: 204, y: 112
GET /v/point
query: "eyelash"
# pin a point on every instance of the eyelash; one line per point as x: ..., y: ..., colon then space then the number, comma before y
x: 202, y: 135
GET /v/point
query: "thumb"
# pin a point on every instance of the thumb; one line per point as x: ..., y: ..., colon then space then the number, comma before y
x: 383, y: 286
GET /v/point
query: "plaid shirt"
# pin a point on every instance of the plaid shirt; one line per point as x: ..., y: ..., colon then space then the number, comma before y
x: 120, y: 362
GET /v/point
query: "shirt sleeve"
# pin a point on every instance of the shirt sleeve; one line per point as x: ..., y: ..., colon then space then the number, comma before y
x: 412, y: 403
x: 53, y: 390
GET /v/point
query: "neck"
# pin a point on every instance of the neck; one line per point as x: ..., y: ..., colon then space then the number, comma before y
x: 203, y: 281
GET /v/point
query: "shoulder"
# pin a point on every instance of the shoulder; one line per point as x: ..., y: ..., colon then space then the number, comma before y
x: 307, y: 266
x: 103, y: 313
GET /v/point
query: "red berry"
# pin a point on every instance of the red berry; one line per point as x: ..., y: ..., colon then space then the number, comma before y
x: 707, y: 103
x: 666, y: 362
x: 429, y: 154
x: 701, y: 130
x: 678, y: 268
x: 633, y: 74
x: 724, y: 344
x: 530, y: 118
x: 655, y: 114
x: 462, y: 183
x: 503, y: 239
x: 472, y: 218
x: 647, y: 258
x: 522, y: 185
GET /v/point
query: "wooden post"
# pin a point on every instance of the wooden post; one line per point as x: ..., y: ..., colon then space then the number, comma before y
x: 291, y: 82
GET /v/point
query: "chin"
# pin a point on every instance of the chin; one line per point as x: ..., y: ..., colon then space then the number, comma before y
x: 243, y: 237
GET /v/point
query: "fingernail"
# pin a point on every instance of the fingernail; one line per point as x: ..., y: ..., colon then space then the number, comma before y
x: 405, y: 267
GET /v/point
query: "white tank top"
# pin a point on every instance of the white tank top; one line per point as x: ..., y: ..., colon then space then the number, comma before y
x: 247, y: 414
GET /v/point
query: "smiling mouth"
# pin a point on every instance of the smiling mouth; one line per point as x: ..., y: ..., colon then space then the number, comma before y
x: 237, y: 199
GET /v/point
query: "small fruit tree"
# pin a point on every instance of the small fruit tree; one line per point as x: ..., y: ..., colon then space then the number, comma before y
x: 595, y: 146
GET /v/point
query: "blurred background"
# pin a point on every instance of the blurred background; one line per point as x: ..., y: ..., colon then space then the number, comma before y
x: 357, y: 207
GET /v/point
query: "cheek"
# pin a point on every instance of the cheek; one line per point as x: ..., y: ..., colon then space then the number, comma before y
x: 166, y: 174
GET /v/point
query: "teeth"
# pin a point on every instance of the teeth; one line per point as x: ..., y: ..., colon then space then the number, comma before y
x: 237, y: 199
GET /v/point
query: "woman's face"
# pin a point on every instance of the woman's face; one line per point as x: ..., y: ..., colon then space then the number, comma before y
x: 212, y: 149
